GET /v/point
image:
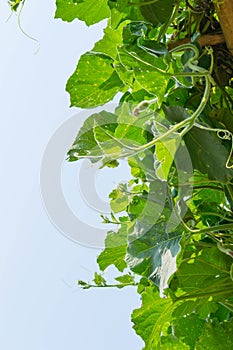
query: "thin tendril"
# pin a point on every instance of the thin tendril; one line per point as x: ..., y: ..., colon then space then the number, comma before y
x: 227, y: 136
x: 23, y: 31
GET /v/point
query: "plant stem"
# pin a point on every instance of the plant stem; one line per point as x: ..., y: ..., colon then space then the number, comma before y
x: 119, y: 285
x: 213, y: 228
x: 204, y: 295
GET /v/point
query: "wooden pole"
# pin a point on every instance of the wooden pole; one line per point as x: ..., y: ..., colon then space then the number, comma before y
x: 224, y: 10
x: 204, y: 40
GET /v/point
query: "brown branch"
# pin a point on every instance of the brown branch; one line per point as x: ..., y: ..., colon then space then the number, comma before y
x: 225, y: 14
x: 204, y: 40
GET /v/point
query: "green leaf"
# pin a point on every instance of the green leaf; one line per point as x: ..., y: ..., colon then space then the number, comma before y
x: 136, y: 168
x: 143, y: 167
x: 85, y: 144
x: 172, y: 343
x: 89, y: 11
x: 94, y: 81
x: 188, y: 329
x: 119, y: 199
x: 99, y: 280
x: 206, y: 150
x: 83, y: 285
x: 206, y: 274
x: 148, y: 206
x: 125, y: 279
x: 151, y: 317
x: 135, y: 30
x: 150, y: 72
x: 143, y: 283
x: 157, y: 12
x: 121, y: 11
x: 14, y: 4
x: 153, y: 252
x: 222, y: 313
x: 178, y: 97
x: 202, y: 306
x: 151, y: 46
x: 103, y: 138
x: 108, y: 44
x: 165, y: 153
x: 216, y: 335
x: 115, y: 250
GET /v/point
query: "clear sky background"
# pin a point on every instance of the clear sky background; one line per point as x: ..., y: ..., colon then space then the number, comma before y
x: 41, y: 307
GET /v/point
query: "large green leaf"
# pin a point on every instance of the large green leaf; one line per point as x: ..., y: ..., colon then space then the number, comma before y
x: 188, y: 329
x: 205, y: 201
x: 152, y: 251
x: 206, y: 150
x: 121, y: 10
x: 115, y: 250
x: 102, y: 138
x: 208, y: 154
x: 157, y: 12
x: 85, y: 144
x: 150, y: 72
x: 151, y: 317
x: 90, y: 11
x: 206, y: 273
x: 216, y: 335
x: 154, y: 257
x: 94, y: 81
x: 201, y: 306
x: 111, y: 39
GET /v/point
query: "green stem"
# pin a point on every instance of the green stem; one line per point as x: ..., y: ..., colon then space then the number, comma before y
x: 213, y: 228
x: 190, y: 121
x: 196, y: 182
x: 216, y: 188
x: 217, y: 214
x: 142, y: 3
x: 119, y: 285
x: 204, y: 295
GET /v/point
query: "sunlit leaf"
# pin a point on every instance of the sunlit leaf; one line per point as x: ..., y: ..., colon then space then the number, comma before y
x: 94, y: 81
x: 115, y: 250
x: 89, y: 11
x: 152, y: 317
x: 216, y: 335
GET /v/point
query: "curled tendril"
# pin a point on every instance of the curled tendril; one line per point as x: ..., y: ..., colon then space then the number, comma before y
x: 223, y: 134
x: 227, y: 135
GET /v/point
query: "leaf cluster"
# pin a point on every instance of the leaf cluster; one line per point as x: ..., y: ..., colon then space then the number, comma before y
x: 174, y: 125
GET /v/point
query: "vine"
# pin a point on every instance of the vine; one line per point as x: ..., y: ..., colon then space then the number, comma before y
x: 174, y: 124
x: 17, y: 6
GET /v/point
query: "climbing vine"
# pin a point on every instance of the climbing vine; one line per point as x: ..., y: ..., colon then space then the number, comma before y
x: 173, y: 241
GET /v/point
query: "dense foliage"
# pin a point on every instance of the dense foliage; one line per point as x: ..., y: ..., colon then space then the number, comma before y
x: 174, y: 224
x: 174, y: 124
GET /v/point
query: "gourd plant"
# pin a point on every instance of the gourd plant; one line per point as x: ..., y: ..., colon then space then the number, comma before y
x: 173, y: 240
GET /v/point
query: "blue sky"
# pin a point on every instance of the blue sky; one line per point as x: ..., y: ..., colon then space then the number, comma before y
x: 41, y: 307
